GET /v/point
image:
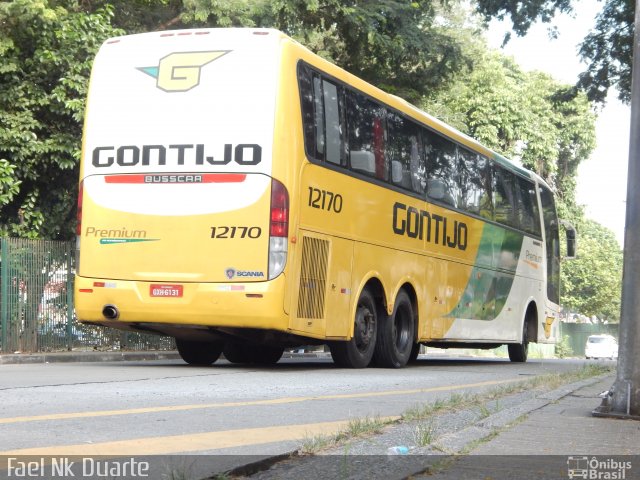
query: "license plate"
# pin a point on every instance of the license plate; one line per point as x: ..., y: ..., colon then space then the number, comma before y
x: 165, y: 290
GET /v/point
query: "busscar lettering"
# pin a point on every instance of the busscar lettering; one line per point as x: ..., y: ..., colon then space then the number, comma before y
x: 176, y: 154
x: 173, y: 179
x: 435, y: 228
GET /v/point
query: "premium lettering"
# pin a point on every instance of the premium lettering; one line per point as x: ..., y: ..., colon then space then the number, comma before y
x: 114, y: 233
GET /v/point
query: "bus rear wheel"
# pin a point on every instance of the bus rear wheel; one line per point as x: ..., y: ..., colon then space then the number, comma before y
x: 395, y: 335
x: 266, y: 355
x: 358, y: 352
x: 199, y: 353
x: 237, y: 352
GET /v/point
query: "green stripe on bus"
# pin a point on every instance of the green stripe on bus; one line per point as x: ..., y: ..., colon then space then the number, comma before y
x: 490, y: 283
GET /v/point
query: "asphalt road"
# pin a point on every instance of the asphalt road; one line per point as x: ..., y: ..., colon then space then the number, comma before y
x: 166, y: 407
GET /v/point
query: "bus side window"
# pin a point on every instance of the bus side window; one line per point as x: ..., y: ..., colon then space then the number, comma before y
x: 405, y: 154
x: 527, y: 206
x: 332, y: 123
x: 321, y: 117
x: 311, y: 111
x: 474, y: 197
x: 503, y: 196
x: 552, y: 243
x: 442, y: 181
x: 366, y: 133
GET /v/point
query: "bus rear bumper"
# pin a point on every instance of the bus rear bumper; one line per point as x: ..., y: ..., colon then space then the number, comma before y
x: 256, y: 305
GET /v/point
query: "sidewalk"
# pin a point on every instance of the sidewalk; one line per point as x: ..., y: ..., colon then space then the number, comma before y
x: 529, y: 436
x: 556, y: 439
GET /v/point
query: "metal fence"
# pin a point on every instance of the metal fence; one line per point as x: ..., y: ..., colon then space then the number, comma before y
x: 36, y: 303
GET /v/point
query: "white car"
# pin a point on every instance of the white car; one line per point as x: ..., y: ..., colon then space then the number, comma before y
x: 601, y: 346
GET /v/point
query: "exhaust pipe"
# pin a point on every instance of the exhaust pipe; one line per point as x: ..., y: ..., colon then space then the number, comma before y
x: 110, y: 312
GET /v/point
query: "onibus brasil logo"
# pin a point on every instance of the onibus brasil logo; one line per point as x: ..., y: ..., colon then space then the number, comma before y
x: 180, y: 71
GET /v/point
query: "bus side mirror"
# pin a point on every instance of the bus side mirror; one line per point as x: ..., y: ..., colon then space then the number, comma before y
x: 570, y: 231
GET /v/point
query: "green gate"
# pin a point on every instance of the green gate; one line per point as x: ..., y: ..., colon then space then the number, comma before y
x: 577, y: 334
x: 36, y: 303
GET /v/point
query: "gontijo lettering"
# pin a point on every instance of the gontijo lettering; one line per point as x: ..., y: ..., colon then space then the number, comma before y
x: 176, y: 154
x: 437, y: 229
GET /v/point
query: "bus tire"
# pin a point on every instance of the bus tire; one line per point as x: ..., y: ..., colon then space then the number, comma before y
x: 415, y: 351
x: 199, y: 353
x: 358, y: 352
x: 236, y: 352
x: 518, y: 352
x: 396, y: 334
x: 265, y: 355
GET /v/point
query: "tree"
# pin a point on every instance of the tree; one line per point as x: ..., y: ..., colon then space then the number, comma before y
x: 524, y: 116
x: 46, y: 50
x: 399, y: 46
x: 592, y: 282
x: 608, y: 48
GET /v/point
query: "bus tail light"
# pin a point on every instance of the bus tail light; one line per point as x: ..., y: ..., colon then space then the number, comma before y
x: 79, y: 225
x: 278, y: 228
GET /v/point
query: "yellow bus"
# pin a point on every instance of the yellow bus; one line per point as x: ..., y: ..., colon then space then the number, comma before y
x: 243, y: 195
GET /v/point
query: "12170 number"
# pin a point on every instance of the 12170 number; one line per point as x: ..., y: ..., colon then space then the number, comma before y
x: 325, y: 200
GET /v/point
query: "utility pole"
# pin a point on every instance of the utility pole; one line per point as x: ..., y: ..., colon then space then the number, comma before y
x: 625, y: 401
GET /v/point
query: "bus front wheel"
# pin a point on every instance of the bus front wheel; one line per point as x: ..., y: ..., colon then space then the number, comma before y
x: 395, y: 335
x: 518, y: 352
x: 199, y: 353
x: 358, y: 352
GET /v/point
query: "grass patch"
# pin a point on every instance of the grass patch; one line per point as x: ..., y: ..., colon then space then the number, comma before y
x: 357, y: 428
x: 424, y: 434
x: 459, y: 401
x: 425, y: 431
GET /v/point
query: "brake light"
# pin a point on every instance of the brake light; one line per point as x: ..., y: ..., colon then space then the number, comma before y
x: 278, y: 228
x: 279, y: 225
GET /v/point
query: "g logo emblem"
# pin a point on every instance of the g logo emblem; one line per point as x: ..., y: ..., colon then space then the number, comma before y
x: 180, y: 72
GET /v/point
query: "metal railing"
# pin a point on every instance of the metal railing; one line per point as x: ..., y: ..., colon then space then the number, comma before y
x: 36, y: 303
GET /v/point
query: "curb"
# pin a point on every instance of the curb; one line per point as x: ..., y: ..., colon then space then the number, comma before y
x: 113, y: 356
x: 69, y: 357
x: 456, y: 443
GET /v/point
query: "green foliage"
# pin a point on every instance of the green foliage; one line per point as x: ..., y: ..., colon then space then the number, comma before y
x: 607, y: 49
x: 524, y: 116
x: 522, y: 14
x: 563, y: 348
x: 592, y: 283
x: 399, y: 46
x: 46, y: 50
